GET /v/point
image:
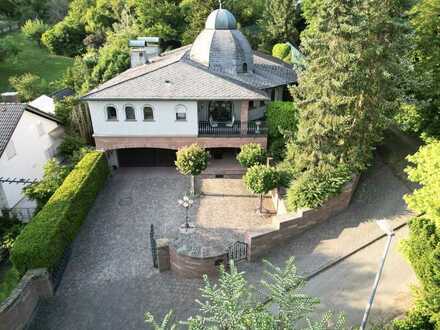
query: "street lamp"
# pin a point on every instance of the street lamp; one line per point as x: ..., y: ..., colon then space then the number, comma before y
x: 385, y: 226
x: 186, y: 203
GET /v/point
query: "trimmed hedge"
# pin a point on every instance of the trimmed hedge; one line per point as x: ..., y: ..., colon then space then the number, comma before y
x: 43, y: 241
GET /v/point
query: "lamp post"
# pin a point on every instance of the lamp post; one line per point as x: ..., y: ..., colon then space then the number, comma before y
x: 186, y: 203
x: 385, y: 226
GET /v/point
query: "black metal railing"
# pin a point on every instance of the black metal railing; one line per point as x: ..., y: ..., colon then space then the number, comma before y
x: 237, y: 129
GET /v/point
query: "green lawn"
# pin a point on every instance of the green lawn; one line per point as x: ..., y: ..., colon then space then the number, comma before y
x: 32, y: 59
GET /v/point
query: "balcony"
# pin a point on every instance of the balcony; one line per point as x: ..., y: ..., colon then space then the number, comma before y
x: 252, y: 128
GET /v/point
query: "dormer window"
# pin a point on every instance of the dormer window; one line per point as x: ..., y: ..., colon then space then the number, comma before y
x: 129, y: 113
x: 148, y: 113
x: 111, y: 113
x: 245, y: 68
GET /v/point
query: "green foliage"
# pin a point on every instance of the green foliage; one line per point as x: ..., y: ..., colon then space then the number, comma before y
x: 409, y: 118
x: 54, y: 175
x: 282, y: 51
x: 279, y: 23
x: 282, y: 119
x: 34, y: 29
x: 277, y: 149
x: 350, y: 87
x: 43, y: 241
x: 416, y: 319
x: 260, y: 179
x: 30, y: 59
x: 70, y: 145
x: 251, y: 154
x: 9, y: 283
x: 65, y: 37
x: 425, y: 57
x: 10, y: 228
x: 424, y: 169
x: 422, y: 247
x: 313, y: 188
x: 8, y: 48
x: 29, y: 86
x: 162, y: 18
x: 64, y: 109
x: 192, y: 160
x: 233, y: 304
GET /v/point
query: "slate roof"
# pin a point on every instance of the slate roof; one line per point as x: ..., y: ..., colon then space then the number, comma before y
x: 10, y: 114
x: 189, y: 80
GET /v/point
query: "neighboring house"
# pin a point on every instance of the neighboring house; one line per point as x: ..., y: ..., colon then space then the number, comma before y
x: 28, y: 138
x: 213, y: 92
x: 47, y: 103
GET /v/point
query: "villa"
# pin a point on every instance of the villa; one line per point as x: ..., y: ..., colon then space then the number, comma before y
x: 213, y: 92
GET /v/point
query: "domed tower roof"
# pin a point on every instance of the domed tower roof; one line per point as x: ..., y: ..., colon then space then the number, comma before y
x: 221, y: 19
x: 221, y: 47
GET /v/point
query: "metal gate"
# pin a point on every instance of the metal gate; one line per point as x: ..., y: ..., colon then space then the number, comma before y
x: 153, y: 246
x: 237, y: 252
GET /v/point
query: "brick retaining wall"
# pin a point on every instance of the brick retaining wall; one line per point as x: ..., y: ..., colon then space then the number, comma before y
x: 17, y: 310
x: 288, y: 225
x: 192, y: 267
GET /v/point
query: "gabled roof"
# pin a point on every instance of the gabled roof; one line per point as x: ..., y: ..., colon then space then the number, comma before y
x: 10, y: 114
x: 173, y: 75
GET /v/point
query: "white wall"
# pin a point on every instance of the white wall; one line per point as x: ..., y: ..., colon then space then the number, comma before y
x: 32, y: 152
x: 164, y: 123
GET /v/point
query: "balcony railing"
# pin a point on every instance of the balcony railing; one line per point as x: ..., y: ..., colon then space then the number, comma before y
x: 237, y: 129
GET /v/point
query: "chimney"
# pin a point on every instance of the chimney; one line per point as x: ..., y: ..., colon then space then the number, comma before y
x: 10, y: 97
x: 143, y: 49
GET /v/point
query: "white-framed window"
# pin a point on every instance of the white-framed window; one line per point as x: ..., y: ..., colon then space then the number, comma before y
x: 148, y: 113
x: 130, y: 114
x: 10, y: 150
x: 40, y: 129
x: 111, y: 113
x: 180, y: 112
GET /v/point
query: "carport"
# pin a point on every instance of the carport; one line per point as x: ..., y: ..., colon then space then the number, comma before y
x: 146, y: 157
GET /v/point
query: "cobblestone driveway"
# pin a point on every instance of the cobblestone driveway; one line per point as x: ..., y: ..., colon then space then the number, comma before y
x: 109, y: 282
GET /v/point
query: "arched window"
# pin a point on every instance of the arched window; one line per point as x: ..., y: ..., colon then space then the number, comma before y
x: 148, y: 113
x: 244, y: 67
x: 180, y: 112
x: 129, y: 113
x: 111, y: 112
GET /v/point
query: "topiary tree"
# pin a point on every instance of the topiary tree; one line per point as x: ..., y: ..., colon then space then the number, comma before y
x: 192, y: 160
x: 260, y: 179
x: 282, y: 51
x: 251, y: 154
x: 34, y: 29
x: 232, y: 304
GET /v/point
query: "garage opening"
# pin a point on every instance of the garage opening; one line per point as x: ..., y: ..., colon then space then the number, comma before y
x: 146, y: 157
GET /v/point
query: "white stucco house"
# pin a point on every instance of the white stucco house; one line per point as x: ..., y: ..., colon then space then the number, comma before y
x: 28, y: 138
x: 213, y: 92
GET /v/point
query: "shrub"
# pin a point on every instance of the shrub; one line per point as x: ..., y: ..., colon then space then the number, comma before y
x: 64, y: 109
x: 313, y: 188
x: 282, y: 119
x: 277, y: 149
x: 416, y: 319
x: 10, y: 281
x: 260, y: 179
x: 41, y: 191
x: 65, y: 38
x: 70, y: 145
x: 28, y: 86
x: 251, y: 154
x: 34, y: 29
x: 282, y: 51
x: 8, y: 48
x: 43, y: 241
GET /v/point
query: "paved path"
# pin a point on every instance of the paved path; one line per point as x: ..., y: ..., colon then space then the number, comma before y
x: 109, y: 282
